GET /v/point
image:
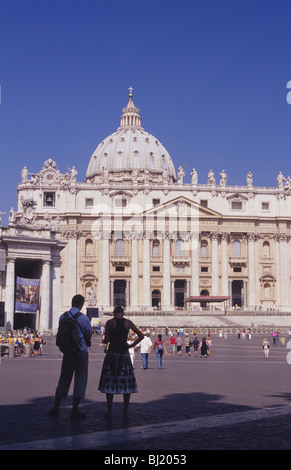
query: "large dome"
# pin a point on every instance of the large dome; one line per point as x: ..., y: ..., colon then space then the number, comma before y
x: 130, y: 148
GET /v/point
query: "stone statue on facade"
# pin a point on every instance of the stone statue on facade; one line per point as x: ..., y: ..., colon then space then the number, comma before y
x: 74, y: 174
x: 12, y: 218
x: 284, y: 183
x: 91, y: 297
x: 28, y: 211
x: 194, y: 177
x: 181, y: 174
x: 280, y: 180
x: 211, y: 178
x: 249, y: 179
x: 24, y: 175
x: 287, y: 186
x: 223, y: 178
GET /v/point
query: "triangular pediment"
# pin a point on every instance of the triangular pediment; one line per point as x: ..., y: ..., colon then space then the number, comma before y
x: 183, y: 206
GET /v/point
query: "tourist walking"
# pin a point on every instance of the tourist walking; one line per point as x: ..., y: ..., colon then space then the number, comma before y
x: 117, y: 375
x: 209, y: 345
x: 274, y: 335
x: 74, y: 363
x: 172, y: 345
x: 196, y: 343
x: 266, y: 347
x: 187, y: 345
x: 204, y: 348
x: 145, y: 349
x: 131, y: 350
x: 160, y: 347
x: 179, y: 344
x: 36, y: 344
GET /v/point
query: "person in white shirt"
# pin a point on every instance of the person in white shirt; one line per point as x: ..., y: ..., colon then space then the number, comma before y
x: 145, y: 349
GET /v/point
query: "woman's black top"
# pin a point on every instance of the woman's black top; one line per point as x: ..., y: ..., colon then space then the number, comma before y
x: 118, y: 337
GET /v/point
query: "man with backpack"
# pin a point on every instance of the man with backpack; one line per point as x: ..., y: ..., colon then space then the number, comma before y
x: 73, y: 339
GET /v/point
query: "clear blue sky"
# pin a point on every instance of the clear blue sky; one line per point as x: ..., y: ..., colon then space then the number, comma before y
x: 209, y: 77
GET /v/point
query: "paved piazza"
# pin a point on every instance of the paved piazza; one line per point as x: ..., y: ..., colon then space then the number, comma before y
x: 234, y: 399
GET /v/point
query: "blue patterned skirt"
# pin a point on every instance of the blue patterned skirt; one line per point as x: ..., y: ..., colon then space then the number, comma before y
x: 117, y: 374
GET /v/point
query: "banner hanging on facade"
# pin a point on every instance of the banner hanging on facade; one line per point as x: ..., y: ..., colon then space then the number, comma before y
x: 27, y: 295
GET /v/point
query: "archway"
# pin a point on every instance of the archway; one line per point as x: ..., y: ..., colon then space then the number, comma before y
x: 204, y: 293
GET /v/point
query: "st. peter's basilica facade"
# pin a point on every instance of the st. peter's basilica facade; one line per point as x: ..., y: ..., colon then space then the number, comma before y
x: 134, y: 234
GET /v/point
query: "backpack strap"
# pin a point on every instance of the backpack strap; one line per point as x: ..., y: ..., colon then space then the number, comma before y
x: 76, y: 316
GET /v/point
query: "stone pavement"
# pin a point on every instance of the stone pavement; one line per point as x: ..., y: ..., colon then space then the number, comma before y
x: 233, y: 400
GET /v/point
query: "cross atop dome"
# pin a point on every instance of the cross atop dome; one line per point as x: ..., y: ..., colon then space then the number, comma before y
x: 130, y: 115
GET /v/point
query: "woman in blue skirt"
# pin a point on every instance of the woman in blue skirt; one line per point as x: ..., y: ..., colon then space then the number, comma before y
x: 117, y: 376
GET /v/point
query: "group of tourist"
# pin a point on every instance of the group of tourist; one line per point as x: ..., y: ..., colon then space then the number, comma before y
x: 177, y: 343
x: 24, y: 340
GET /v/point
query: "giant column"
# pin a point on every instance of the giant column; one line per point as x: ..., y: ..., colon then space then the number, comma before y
x: 214, y: 267
x: 44, y: 323
x: 166, y: 275
x: 10, y: 293
x: 252, y: 271
x: 56, y: 289
x: 71, y: 279
x: 194, y: 291
x: 134, y: 273
x: 106, y: 270
x: 278, y: 268
x: 284, y: 272
x: 224, y: 264
x: 146, y: 272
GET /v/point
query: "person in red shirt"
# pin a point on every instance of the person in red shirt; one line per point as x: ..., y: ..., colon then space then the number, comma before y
x: 160, y: 348
x: 172, y: 345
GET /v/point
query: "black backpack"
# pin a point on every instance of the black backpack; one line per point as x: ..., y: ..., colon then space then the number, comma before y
x: 68, y: 339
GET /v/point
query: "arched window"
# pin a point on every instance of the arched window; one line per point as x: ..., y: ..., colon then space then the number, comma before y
x: 88, y: 248
x: 236, y: 251
x: 204, y: 249
x: 156, y: 248
x: 120, y: 247
x: 180, y: 247
x: 266, y: 250
x: 267, y: 290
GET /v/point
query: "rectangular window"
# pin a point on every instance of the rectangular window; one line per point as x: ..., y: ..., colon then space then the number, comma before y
x: 204, y: 269
x: 204, y: 203
x: 156, y: 268
x: 119, y: 269
x: 265, y: 206
x: 236, y: 205
x: 120, y: 203
x: 49, y: 199
x: 237, y: 270
x: 89, y: 202
x: 156, y: 202
x: 156, y: 248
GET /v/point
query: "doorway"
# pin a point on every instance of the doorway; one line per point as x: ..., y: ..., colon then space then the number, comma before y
x: 119, y: 293
x: 156, y: 298
x: 179, y: 292
x: 236, y: 293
